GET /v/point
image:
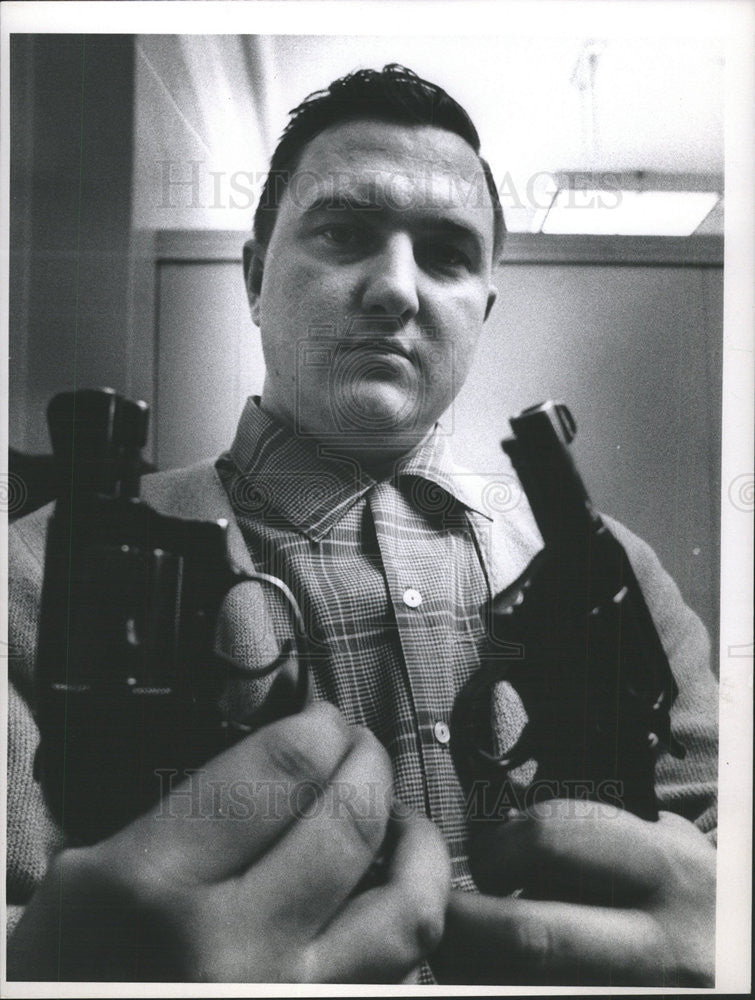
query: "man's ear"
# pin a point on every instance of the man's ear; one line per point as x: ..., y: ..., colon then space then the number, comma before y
x: 492, y: 296
x: 254, y: 261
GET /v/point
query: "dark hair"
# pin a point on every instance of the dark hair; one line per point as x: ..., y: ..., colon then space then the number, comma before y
x: 394, y: 94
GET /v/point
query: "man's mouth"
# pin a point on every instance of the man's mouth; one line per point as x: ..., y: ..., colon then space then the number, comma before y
x: 366, y: 345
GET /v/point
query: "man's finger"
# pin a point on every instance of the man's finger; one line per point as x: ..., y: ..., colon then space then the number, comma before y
x: 569, y: 850
x: 311, y: 870
x: 493, y: 940
x: 385, y: 932
x: 223, y: 817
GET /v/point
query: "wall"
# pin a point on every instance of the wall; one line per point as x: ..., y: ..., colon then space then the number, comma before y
x: 71, y: 140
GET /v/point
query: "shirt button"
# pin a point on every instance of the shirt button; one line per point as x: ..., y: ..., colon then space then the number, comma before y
x: 412, y: 598
x: 442, y: 733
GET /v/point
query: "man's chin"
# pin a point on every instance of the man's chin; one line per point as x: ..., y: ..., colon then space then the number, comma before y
x: 378, y: 410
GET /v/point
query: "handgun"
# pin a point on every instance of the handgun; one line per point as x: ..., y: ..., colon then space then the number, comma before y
x: 128, y: 680
x: 575, y: 640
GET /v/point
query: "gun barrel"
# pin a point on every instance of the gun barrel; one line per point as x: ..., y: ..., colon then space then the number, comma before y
x: 543, y: 462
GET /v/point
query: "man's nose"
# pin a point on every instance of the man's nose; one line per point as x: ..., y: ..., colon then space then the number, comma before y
x: 390, y: 285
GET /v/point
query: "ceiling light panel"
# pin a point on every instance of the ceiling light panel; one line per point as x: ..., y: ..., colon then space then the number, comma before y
x: 601, y: 212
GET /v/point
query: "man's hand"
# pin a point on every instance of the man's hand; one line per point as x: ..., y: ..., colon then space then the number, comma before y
x: 608, y: 899
x: 251, y: 877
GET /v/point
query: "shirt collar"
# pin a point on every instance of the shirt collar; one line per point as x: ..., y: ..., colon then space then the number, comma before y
x: 431, y: 463
x: 297, y: 478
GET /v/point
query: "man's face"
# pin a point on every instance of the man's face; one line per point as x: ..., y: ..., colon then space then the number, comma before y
x: 375, y: 284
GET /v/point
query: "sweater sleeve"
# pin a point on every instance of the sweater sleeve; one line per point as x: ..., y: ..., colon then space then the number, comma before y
x: 688, y: 786
x: 32, y: 834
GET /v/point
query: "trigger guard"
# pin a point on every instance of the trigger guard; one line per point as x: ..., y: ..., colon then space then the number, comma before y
x: 235, y: 669
x: 279, y: 585
x: 292, y: 649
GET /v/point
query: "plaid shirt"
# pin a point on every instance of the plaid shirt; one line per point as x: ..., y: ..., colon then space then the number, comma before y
x: 391, y: 582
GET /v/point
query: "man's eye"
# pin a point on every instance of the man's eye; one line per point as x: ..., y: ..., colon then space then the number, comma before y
x: 343, y: 236
x: 447, y: 257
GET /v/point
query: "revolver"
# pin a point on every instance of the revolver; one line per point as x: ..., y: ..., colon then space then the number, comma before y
x: 128, y: 680
x: 575, y: 640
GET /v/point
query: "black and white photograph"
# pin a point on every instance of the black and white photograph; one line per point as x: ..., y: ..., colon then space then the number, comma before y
x: 379, y: 497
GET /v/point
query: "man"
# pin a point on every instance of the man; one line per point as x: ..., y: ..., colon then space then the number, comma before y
x: 370, y: 277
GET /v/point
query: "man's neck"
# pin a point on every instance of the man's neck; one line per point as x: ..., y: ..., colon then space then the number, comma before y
x: 376, y: 455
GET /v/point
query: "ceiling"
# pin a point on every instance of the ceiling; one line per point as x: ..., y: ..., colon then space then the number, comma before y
x: 542, y: 105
